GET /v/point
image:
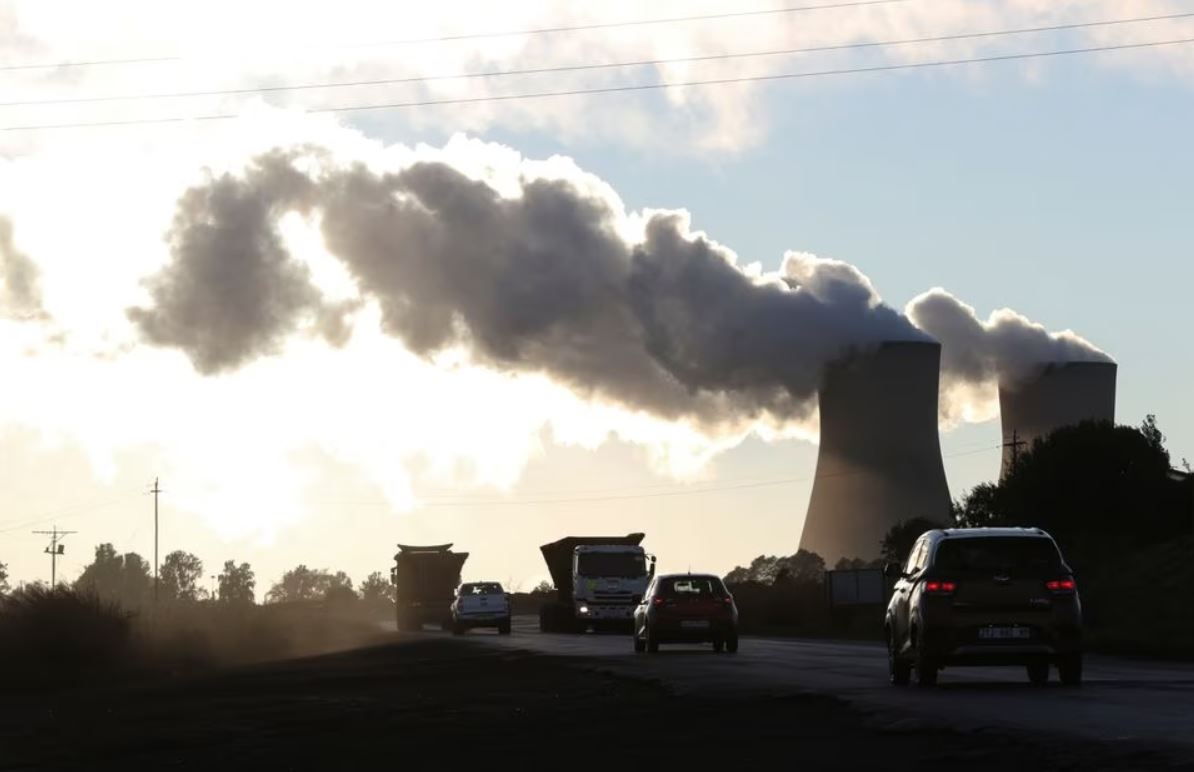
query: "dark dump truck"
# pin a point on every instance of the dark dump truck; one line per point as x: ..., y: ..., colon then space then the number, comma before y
x: 599, y: 580
x: 425, y: 580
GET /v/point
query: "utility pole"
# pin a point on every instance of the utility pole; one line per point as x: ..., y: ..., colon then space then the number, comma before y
x: 1015, y: 445
x: 54, y: 550
x: 155, y: 491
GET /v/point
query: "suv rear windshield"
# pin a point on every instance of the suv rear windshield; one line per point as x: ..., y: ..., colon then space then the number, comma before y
x: 611, y: 564
x: 691, y: 587
x: 1012, y: 555
x: 481, y: 588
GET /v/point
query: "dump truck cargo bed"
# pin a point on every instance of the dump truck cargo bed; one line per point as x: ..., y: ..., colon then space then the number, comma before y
x: 426, y: 578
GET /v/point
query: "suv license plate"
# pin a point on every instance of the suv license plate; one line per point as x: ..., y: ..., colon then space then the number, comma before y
x: 694, y: 624
x: 1004, y: 633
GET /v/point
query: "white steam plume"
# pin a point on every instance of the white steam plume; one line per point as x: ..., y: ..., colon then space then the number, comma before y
x: 977, y: 355
x: 534, y: 268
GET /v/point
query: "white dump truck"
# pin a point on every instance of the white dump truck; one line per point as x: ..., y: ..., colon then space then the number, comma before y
x: 599, y: 580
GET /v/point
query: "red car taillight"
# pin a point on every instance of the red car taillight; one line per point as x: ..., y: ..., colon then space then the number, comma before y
x: 935, y: 587
x: 657, y: 601
x: 1061, y: 586
x: 728, y: 600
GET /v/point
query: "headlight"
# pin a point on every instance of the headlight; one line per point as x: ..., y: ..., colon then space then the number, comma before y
x: 584, y: 609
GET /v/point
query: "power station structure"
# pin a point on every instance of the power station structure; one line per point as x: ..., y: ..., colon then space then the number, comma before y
x: 879, y: 462
x: 1057, y: 394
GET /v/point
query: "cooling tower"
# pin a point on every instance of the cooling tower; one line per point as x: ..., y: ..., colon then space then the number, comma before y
x: 880, y: 457
x: 1061, y: 394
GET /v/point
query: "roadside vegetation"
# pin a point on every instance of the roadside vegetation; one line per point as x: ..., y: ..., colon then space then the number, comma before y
x: 108, y: 622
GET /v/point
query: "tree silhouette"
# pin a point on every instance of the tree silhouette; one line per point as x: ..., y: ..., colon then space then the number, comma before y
x: 301, y: 583
x: 802, y: 567
x: 898, y: 541
x: 1100, y: 490
x: 124, y: 579
x: 339, y: 588
x: 237, y: 583
x: 180, y: 576
x: 544, y: 588
x: 3, y: 578
x: 377, y: 590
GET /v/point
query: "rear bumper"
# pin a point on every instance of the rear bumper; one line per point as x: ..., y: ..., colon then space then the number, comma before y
x: 963, y: 647
x: 672, y: 632
x: 480, y: 620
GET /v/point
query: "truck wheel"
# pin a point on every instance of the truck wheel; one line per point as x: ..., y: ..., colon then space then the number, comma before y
x: 1038, y: 673
x: 504, y: 627
x: 1069, y: 669
x: 718, y: 645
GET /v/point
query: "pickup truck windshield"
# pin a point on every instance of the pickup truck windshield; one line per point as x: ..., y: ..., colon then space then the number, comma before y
x: 625, y: 564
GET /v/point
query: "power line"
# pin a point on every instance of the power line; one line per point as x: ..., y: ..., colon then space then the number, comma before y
x: 592, y: 66
x: 62, y: 514
x: 618, y: 89
x: 484, y: 35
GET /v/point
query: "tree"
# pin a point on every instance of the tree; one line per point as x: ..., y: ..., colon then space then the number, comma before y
x: 237, y: 583
x: 181, y: 573
x: 898, y: 541
x: 544, y: 588
x: 124, y: 579
x: 298, y: 584
x: 339, y: 588
x: 1100, y: 490
x: 3, y: 578
x: 803, y: 567
x: 377, y: 590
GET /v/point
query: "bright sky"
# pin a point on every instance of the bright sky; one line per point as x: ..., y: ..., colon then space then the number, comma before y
x: 1056, y: 186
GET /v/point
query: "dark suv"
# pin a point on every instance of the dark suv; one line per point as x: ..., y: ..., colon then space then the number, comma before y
x: 984, y: 596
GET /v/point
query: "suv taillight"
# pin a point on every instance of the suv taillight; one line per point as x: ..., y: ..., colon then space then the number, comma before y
x: 1062, y: 586
x: 940, y: 587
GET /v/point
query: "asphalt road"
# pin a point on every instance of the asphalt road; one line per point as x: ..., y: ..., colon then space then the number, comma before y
x: 1121, y: 700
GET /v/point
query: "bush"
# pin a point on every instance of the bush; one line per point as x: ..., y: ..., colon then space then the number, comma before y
x: 56, y: 634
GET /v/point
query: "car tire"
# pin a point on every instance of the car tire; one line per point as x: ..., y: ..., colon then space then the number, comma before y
x: 1069, y: 669
x: 732, y: 643
x: 652, y: 642
x: 639, y: 644
x: 1038, y: 673
x: 926, y: 670
x: 504, y: 627
x: 718, y: 646
x: 457, y: 629
x: 899, y: 670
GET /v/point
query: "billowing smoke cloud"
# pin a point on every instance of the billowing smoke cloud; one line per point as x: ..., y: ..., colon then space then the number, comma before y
x: 552, y: 277
x: 1006, y: 348
x: 20, y: 296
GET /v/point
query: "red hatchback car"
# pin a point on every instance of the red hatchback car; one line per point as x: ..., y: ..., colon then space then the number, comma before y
x: 686, y: 608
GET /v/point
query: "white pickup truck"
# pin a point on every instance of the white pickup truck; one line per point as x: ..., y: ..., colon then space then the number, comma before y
x: 481, y: 604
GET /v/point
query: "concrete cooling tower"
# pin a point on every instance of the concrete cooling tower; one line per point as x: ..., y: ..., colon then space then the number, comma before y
x: 1061, y: 394
x: 880, y: 456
